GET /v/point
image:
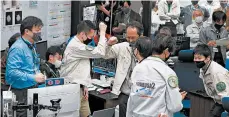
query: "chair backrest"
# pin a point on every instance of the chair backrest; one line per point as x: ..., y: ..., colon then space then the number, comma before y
x: 225, y: 102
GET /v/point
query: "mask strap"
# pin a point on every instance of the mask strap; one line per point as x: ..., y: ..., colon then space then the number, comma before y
x: 207, y: 67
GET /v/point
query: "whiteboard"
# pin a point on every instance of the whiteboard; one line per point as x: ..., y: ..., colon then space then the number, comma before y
x: 40, y: 9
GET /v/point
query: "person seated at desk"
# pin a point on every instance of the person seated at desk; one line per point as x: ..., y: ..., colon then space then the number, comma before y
x: 50, y: 68
x: 193, y: 30
x: 124, y: 17
x: 214, y: 76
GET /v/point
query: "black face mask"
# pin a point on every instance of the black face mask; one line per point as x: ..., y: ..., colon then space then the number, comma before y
x: 217, y: 26
x: 37, y: 37
x: 209, y: 1
x: 200, y: 64
x: 194, y: 2
x: 87, y: 41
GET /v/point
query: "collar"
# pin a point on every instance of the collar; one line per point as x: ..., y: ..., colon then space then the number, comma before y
x: 208, y: 72
x: 27, y: 42
x: 52, y: 66
x: 155, y: 58
x: 194, y: 25
x: 215, y: 30
x: 193, y: 8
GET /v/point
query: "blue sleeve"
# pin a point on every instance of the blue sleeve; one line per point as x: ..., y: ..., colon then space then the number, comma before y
x: 16, y: 76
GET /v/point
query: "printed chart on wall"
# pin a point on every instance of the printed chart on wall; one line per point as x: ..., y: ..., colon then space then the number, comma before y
x: 90, y: 13
x: 11, y: 17
x: 59, y: 22
x: 14, y: 11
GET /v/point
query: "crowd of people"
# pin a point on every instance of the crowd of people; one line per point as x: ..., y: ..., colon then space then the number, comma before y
x: 145, y: 85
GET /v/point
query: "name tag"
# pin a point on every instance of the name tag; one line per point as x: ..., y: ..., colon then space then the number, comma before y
x: 215, y: 49
x: 54, y: 81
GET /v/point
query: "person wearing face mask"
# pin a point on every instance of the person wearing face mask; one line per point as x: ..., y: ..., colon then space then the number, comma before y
x: 76, y: 67
x: 53, y: 62
x: 223, y: 5
x: 214, y: 32
x: 126, y: 62
x: 124, y: 17
x: 22, y: 67
x: 169, y: 11
x: 155, y: 88
x: 186, y: 15
x: 211, y: 6
x: 214, y: 76
x: 193, y: 30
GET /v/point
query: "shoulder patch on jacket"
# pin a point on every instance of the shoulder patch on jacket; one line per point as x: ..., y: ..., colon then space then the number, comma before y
x: 173, y: 81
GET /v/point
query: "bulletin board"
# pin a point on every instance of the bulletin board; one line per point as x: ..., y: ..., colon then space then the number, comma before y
x: 90, y: 13
x: 55, y: 15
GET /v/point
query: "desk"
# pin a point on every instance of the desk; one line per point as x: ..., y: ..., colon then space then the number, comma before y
x: 201, y: 104
x: 102, y: 101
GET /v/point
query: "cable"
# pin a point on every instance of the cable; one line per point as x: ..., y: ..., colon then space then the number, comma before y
x: 38, y: 112
x: 57, y: 113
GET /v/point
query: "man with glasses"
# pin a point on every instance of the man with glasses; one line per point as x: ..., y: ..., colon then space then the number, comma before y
x: 126, y: 62
x: 22, y: 67
x: 214, y: 32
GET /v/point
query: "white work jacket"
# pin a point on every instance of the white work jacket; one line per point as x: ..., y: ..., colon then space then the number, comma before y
x: 216, y: 81
x: 121, y: 51
x: 174, y: 10
x: 154, y: 90
x: 193, y: 32
x: 76, y: 64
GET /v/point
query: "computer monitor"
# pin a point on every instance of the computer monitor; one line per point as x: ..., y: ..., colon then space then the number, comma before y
x: 110, y: 112
x: 69, y: 95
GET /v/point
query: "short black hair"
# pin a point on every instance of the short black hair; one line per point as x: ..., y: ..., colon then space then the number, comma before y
x: 162, y: 42
x: 122, y: 3
x: 29, y: 22
x: 165, y: 31
x: 85, y: 26
x: 137, y: 25
x: 203, y: 49
x: 219, y: 15
x: 52, y: 51
x: 144, y: 46
x: 13, y: 39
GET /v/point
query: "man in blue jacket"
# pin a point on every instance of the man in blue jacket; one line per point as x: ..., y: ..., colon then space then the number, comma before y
x: 22, y: 68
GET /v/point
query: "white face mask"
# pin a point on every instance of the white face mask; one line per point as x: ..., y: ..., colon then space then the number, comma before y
x: 199, y: 19
x: 57, y: 63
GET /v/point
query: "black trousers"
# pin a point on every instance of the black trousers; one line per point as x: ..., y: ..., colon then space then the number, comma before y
x: 123, y: 98
x: 21, y: 97
x: 216, y: 110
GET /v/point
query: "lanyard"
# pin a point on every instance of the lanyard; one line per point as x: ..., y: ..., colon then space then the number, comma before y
x: 34, y: 54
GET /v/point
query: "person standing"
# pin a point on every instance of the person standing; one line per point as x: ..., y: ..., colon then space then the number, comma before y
x: 76, y: 67
x: 155, y: 88
x: 126, y: 63
x: 215, y: 31
x: 22, y: 68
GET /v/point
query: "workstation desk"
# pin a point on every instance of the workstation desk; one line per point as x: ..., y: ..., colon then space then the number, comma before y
x: 99, y: 101
x: 188, y: 75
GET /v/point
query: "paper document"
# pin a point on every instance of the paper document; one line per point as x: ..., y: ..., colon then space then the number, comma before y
x: 156, y: 20
x: 223, y: 42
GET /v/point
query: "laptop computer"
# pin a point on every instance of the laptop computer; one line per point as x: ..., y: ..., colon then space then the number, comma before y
x: 110, y: 112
